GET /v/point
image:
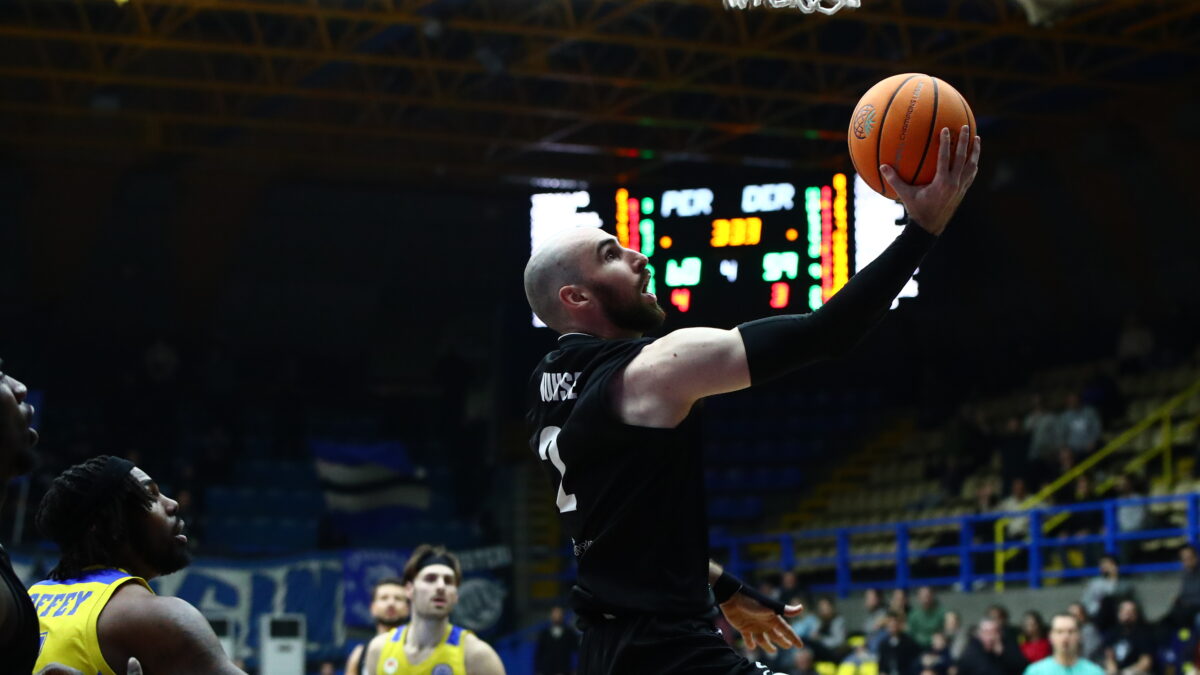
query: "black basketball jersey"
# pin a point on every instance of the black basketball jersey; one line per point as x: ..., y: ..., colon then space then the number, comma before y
x: 20, y: 649
x: 631, y: 498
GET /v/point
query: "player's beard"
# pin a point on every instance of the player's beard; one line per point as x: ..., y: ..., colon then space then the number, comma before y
x: 391, y: 623
x: 630, y: 314
x: 164, y: 555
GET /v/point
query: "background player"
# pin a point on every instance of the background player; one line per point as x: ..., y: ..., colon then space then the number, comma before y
x: 389, y: 609
x: 116, y: 530
x: 430, y: 644
x: 611, y: 413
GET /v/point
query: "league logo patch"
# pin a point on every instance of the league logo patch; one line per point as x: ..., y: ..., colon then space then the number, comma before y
x: 864, y: 122
x: 391, y: 665
x: 442, y: 669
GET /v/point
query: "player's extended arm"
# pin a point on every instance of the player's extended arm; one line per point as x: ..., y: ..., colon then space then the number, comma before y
x: 480, y: 658
x: 660, y: 385
x: 167, y: 635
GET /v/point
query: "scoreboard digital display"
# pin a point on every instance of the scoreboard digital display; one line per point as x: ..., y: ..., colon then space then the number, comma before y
x: 724, y: 254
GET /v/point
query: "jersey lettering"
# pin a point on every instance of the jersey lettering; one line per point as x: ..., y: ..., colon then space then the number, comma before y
x: 559, y: 386
x: 548, y: 449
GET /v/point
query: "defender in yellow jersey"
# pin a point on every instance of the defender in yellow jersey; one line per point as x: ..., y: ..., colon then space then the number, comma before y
x: 97, y: 614
x: 429, y: 644
x: 68, y: 610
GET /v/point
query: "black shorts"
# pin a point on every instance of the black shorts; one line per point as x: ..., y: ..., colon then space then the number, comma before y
x: 648, y: 645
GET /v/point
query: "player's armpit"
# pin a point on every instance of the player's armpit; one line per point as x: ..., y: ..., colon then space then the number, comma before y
x: 480, y: 658
x: 167, y: 635
x: 660, y: 385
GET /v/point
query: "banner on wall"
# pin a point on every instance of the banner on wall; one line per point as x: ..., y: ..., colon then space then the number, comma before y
x: 481, y: 596
x: 330, y: 589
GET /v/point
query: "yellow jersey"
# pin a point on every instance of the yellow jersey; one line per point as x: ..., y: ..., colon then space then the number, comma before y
x: 67, y: 613
x: 448, y: 658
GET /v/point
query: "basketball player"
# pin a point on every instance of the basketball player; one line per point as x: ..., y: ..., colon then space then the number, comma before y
x: 389, y: 608
x: 429, y: 644
x: 612, y: 416
x: 115, y: 531
x: 18, y: 622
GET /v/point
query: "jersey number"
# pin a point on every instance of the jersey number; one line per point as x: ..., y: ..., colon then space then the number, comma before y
x: 548, y: 449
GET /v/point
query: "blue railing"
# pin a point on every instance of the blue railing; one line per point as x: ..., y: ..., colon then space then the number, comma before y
x: 971, y: 555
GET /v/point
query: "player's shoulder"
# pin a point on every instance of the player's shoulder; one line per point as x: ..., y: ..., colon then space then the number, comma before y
x: 480, y: 657
x: 136, y: 607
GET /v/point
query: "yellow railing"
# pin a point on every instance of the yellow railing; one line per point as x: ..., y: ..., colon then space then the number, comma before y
x: 1162, y: 447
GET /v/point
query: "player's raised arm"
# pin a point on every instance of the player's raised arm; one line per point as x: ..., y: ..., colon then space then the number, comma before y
x: 660, y: 385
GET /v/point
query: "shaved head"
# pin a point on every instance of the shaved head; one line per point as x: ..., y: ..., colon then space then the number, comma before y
x: 557, y: 263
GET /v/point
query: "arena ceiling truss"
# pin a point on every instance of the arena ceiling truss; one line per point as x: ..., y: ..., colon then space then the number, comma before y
x: 585, y: 89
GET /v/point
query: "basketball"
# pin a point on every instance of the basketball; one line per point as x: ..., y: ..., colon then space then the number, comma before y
x: 897, y: 122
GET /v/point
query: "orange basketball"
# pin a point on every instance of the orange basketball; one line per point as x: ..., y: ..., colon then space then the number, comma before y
x: 898, y: 122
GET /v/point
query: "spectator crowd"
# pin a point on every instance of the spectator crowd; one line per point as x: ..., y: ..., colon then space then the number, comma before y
x: 1104, y: 632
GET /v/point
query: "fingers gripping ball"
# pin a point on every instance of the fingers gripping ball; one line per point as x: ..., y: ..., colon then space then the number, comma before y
x: 898, y: 121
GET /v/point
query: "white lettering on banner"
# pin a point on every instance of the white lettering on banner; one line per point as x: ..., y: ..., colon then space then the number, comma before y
x: 686, y: 203
x: 771, y: 197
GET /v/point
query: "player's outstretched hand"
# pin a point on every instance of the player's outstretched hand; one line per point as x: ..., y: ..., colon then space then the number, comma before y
x: 932, y: 205
x: 760, y: 626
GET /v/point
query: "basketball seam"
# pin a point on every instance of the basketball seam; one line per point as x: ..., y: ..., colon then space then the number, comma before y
x: 968, y: 116
x: 882, y: 122
x: 929, y: 140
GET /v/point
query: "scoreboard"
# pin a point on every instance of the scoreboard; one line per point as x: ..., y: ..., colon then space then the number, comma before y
x: 724, y: 254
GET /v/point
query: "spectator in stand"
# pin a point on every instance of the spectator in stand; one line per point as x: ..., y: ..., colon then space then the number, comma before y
x: 1042, y: 426
x: 803, y: 662
x: 1018, y: 526
x: 1067, y: 658
x: 936, y: 659
x: 1129, y: 648
x: 1135, y: 345
x: 898, y: 602
x: 829, y: 640
x: 1035, y: 644
x: 899, y: 653
x: 1080, y: 523
x: 861, y: 660
x: 1130, y: 517
x: 956, y: 634
x: 556, y: 647
x: 990, y: 654
x: 1009, y: 632
x: 926, y: 618
x: 1103, y: 593
x: 789, y: 586
x: 873, y: 628
x: 1186, y: 608
x: 1079, y: 427
x: 806, y: 624
x: 1012, y: 444
x: 1091, y: 639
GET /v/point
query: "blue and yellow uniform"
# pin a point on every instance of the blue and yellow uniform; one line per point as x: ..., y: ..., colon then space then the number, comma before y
x: 448, y: 658
x: 67, y: 613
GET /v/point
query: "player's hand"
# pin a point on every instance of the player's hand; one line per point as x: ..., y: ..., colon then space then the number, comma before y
x: 760, y: 626
x: 932, y: 205
x: 58, y: 669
